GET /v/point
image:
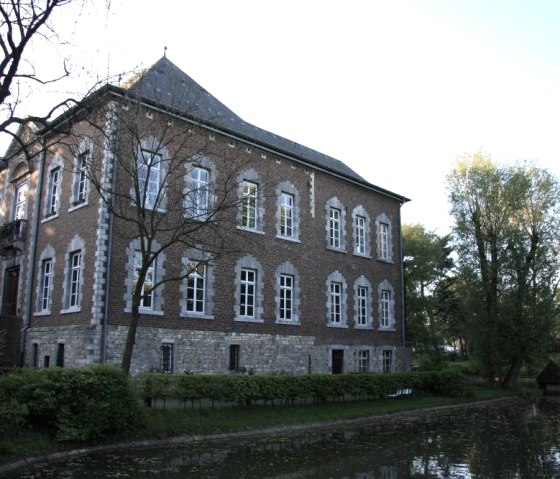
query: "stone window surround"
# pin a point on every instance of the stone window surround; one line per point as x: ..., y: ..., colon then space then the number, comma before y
x: 289, y: 188
x: 153, y: 145
x: 386, y: 286
x: 85, y: 146
x: 158, y: 300
x: 48, y: 253
x: 383, y: 218
x: 249, y: 262
x: 335, y: 203
x: 56, y: 163
x: 200, y: 161
x: 197, y: 255
x: 362, y: 281
x: 77, y: 244
x: 336, y: 277
x: 359, y: 211
x: 253, y: 177
x: 287, y: 268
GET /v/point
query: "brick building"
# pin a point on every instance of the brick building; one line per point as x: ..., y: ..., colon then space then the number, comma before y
x: 265, y: 255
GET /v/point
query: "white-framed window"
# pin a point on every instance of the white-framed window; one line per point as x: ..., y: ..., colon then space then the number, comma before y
x: 74, y: 278
x: 152, y: 301
x: 147, y: 299
x: 286, y: 288
x: 386, y: 305
x: 53, y: 191
x: 287, y: 211
x: 20, y: 201
x: 80, y: 185
x: 286, y: 215
x: 362, y: 303
x: 167, y: 358
x: 249, y: 200
x: 361, y: 232
x: 335, y: 220
x: 149, y: 178
x: 363, y: 360
x: 198, y: 193
x: 384, y: 238
x: 196, y: 288
x: 248, y: 290
x: 336, y: 300
x: 335, y: 228
x: 387, y: 358
x: 247, y: 293
x: 46, y: 285
x: 287, y: 294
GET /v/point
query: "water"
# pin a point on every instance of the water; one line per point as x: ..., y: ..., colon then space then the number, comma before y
x: 519, y: 440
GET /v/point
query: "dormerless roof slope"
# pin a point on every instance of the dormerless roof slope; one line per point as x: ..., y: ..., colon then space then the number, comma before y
x: 165, y: 85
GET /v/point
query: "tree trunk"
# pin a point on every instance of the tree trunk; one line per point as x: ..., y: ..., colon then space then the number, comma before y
x: 512, y: 376
x: 130, y: 340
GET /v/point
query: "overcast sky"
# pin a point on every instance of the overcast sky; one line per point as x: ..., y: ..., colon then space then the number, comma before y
x: 395, y: 89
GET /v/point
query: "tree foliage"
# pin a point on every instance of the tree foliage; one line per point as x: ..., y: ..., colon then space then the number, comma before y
x: 506, y: 224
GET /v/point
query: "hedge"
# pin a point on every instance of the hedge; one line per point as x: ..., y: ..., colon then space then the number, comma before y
x: 83, y: 404
x: 271, y: 389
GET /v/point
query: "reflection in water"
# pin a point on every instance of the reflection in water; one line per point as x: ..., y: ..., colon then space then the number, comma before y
x: 517, y: 440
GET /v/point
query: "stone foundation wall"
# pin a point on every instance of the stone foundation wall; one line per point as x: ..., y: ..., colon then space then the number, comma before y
x: 203, y: 351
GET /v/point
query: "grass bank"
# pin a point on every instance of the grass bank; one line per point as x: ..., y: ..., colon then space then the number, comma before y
x: 176, y: 421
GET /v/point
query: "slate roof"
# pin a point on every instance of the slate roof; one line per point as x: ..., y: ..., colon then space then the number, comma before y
x: 166, y: 85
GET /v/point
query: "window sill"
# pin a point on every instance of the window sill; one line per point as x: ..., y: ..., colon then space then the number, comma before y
x: 250, y: 230
x: 385, y: 260
x: 388, y: 329
x: 367, y: 327
x: 362, y: 255
x: 336, y: 325
x: 196, y: 316
x: 71, y: 310
x: 293, y: 322
x: 46, y: 219
x: 245, y: 319
x: 77, y: 206
x: 336, y: 250
x: 147, y: 312
x: 289, y: 238
x: 42, y: 313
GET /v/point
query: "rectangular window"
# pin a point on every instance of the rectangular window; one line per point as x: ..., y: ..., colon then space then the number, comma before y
x: 385, y: 308
x: 198, y: 197
x: 60, y: 355
x: 286, y: 215
x: 46, y: 285
x: 147, y: 301
x: 286, y: 283
x: 74, y: 278
x: 81, y: 178
x: 360, y: 232
x: 20, y: 203
x: 363, y: 361
x: 249, y: 198
x: 53, y: 192
x: 362, y: 305
x: 167, y: 358
x: 247, y: 299
x: 383, y: 240
x: 234, y: 357
x: 196, y: 288
x: 387, y: 360
x: 336, y: 302
x: 335, y: 229
x: 149, y: 178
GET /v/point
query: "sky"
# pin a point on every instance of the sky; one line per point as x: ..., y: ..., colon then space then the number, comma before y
x: 397, y: 90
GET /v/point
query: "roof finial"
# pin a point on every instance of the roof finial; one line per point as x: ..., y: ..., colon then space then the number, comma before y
x: 165, y: 52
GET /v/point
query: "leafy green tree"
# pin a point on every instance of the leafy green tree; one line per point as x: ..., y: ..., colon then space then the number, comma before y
x: 427, y: 262
x: 505, y: 224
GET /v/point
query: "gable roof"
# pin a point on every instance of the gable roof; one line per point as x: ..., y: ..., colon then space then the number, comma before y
x: 164, y: 84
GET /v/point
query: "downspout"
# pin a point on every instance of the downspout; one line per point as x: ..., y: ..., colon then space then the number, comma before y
x: 403, y: 306
x: 113, y: 149
x: 33, y: 254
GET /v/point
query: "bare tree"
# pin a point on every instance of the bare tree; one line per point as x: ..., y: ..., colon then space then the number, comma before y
x: 21, y: 22
x: 166, y: 184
